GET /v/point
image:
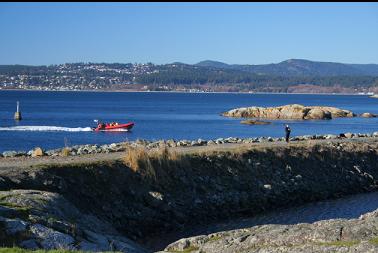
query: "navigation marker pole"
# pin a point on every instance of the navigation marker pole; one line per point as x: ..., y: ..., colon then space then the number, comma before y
x: 17, y: 114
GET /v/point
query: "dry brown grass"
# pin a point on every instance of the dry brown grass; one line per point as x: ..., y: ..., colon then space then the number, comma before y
x: 135, y: 157
x: 164, y: 155
x: 142, y: 161
x: 65, y: 152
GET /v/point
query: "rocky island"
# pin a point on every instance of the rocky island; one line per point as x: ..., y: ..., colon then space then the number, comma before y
x: 255, y: 122
x: 368, y: 115
x: 293, y: 111
x: 119, y: 200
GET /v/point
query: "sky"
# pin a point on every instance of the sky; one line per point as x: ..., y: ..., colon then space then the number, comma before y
x: 234, y: 33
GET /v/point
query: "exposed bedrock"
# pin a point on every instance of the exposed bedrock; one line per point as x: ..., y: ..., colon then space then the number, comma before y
x: 293, y: 111
x: 336, y: 235
x: 368, y: 115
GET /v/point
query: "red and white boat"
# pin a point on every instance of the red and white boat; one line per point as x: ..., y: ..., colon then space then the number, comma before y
x: 113, y: 126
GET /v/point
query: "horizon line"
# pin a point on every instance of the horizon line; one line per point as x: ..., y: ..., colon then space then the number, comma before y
x: 175, y: 62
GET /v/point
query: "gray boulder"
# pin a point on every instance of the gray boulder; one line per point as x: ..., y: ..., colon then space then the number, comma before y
x: 101, y: 241
x: 13, y: 226
x: 349, y: 135
x: 51, y: 239
x: 38, y: 152
x: 9, y: 153
x: 29, y: 244
x: 330, y: 136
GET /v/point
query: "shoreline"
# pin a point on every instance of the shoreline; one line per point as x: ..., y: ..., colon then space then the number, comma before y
x: 105, y: 150
x: 195, y: 92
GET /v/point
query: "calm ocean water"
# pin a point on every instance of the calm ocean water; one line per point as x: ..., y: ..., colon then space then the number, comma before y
x: 54, y: 119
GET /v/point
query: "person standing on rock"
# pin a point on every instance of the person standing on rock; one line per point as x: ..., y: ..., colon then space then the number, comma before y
x: 287, y: 133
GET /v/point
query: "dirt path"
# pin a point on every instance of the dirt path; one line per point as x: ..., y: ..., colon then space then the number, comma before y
x: 22, y: 162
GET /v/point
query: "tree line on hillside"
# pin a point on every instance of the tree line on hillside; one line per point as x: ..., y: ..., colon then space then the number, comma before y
x: 203, y: 76
x: 176, y: 75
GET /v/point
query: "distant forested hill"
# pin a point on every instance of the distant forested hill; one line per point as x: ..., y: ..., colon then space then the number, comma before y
x: 298, y: 67
x: 244, y: 80
x: 288, y: 76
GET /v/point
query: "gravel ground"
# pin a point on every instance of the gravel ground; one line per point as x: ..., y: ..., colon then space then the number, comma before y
x: 22, y: 162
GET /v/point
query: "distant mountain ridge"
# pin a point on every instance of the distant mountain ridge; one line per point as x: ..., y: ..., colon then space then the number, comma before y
x: 299, y: 67
x: 294, y: 75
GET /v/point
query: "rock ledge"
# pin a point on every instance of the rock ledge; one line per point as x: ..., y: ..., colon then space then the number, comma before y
x: 293, y: 111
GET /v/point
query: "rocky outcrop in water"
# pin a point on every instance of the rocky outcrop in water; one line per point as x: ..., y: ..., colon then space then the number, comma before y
x: 368, y: 115
x: 294, y: 111
x: 255, y: 122
x: 338, y: 235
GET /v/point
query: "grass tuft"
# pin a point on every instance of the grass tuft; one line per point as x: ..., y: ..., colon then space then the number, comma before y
x: 214, y: 238
x: 148, y: 162
x: 23, y: 212
x: 374, y: 240
x: 138, y: 160
x: 339, y: 243
x: 65, y: 152
x: 186, y: 250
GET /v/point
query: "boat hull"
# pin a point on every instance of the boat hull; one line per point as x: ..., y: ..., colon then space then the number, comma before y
x: 127, y: 126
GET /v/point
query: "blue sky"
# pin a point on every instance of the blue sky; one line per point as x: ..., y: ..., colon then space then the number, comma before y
x: 235, y: 33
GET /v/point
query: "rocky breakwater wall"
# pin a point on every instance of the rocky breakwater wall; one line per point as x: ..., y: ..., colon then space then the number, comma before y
x: 145, y: 195
x: 294, y: 111
x: 78, y: 150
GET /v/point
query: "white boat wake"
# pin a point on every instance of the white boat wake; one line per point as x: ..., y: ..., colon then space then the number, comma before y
x: 46, y: 128
x: 115, y: 130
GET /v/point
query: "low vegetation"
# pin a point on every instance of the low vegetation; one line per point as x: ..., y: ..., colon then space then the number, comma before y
x: 214, y: 238
x: 186, y: 250
x: 144, y: 161
x: 65, y: 151
x: 339, y: 243
x: 374, y: 240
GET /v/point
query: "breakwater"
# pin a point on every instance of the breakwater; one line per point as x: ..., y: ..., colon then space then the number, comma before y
x: 119, y: 147
x: 131, y: 201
